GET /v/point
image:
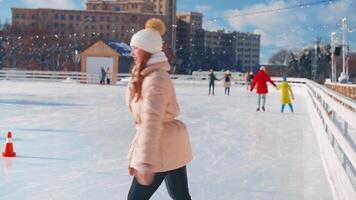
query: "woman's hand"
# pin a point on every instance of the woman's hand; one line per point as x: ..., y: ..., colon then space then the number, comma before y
x: 145, y: 178
x: 145, y: 175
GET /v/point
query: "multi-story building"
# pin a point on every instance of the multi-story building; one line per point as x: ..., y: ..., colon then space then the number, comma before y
x: 111, y: 25
x: 190, y: 38
x: 193, y: 19
x: 168, y: 8
x: 116, y: 20
x: 139, y: 6
x: 228, y: 50
x: 161, y: 7
x: 242, y: 49
x: 247, y: 49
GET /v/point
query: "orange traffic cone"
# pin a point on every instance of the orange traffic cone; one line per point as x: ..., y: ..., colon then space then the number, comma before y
x: 9, y: 148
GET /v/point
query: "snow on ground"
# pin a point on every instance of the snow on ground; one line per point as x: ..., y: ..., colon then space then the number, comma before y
x: 72, y: 141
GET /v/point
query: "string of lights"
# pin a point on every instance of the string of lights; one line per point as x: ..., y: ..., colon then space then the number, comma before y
x: 301, y: 5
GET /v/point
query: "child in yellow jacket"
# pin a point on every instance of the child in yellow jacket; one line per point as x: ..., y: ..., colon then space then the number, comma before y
x: 286, y: 92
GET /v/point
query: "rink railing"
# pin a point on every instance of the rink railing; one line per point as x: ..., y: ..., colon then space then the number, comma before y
x: 44, y: 75
x: 92, y: 78
x: 348, y: 90
x: 334, y: 119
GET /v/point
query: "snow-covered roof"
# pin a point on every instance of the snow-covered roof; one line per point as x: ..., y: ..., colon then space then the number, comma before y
x: 122, y: 48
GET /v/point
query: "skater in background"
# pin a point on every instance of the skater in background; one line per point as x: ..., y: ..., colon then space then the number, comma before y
x: 161, y: 148
x: 251, y: 77
x: 286, y: 93
x: 108, y: 76
x: 261, y: 80
x: 227, y: 81
x: 212, y: 79
x: 247, y: 80
x: 103, y: 75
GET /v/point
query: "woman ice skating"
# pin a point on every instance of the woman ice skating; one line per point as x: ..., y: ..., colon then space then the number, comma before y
x: 212, y: 79
x: 286, y: 92
x: 108, y: 76
x: 247, y: 80
x: 161, y: 148
x: 249, y: 77
x: 103, y: 75
x: 227, y: 81
x: 261, y: 80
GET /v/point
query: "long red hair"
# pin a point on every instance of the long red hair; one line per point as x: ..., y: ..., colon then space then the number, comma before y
x: 136, y: 76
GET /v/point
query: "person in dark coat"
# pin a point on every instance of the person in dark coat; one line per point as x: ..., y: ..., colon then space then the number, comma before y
x: 212, y: 79
x: 261, y: 80
x: 103, y: 75
x: 251, y: 77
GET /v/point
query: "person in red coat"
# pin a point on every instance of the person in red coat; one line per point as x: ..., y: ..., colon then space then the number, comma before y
x: 261, y: 80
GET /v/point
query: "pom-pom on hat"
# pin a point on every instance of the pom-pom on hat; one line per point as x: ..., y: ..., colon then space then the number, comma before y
x: 157, y: 24
x: 150, y: 38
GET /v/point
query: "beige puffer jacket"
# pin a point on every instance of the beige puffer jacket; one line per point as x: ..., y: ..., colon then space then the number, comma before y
x: 160, y: 139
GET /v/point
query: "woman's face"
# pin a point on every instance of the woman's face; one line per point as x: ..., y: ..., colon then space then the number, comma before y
x: 137, y: 55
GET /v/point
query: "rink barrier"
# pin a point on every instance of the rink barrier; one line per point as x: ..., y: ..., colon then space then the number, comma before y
x: 79, y: 77
x: 42, y: 75
x: 348, y: 90
x: 336, y: 148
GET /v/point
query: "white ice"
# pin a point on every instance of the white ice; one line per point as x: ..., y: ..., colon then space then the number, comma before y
x: 72, y: 141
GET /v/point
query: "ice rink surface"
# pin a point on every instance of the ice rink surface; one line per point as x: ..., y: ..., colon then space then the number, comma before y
x: 72, y: 141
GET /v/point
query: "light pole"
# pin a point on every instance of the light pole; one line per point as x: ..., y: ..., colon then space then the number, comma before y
x: 344, y: 77
x: 333, y: 57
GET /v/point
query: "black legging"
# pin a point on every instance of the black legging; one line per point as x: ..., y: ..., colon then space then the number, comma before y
x: 227, y: 91
x: 176, y: 182
x: 211, y: 86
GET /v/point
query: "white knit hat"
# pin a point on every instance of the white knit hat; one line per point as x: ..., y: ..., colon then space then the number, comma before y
x: 149, y: 40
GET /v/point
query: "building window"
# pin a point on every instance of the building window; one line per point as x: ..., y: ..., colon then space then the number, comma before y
x: 33, y: 16
x: 93, y: 27
x: 117, y: 19
x: 44, y: 14
x: 63, y: 17
x: 62, y: 25
x: 55, y: 25
x: 71, y: 17
x: 23, y: 16
x: 108, y: 27
x: 71, y: 26
x: 117, y: 9
x: 94, y: 7
x: 17, y: 16
x: 102, y: 18
x: 101, y: 26
x: 108, y: 19
x: 78, y: 17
